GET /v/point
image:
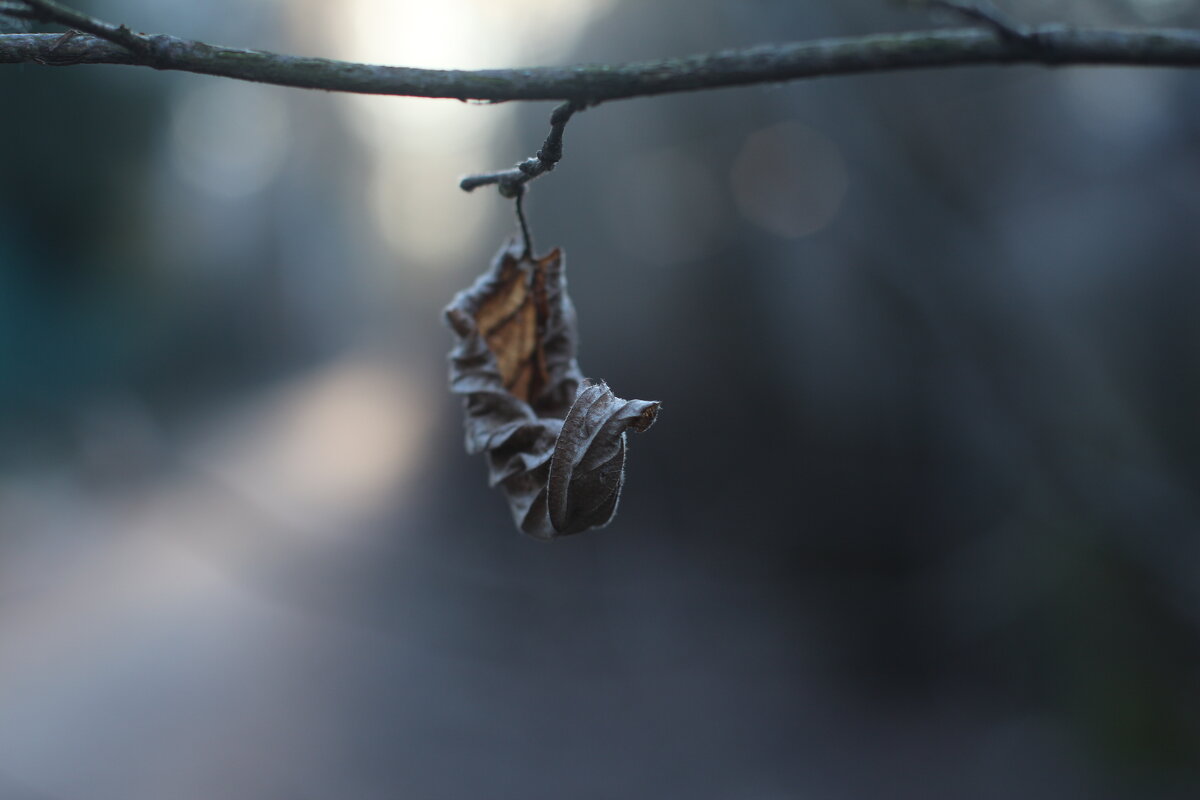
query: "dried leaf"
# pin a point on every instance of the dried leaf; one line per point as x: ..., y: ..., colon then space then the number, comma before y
x: 553, y: 440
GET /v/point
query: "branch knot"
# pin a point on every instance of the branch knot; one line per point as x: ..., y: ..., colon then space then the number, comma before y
x: 511, y: 182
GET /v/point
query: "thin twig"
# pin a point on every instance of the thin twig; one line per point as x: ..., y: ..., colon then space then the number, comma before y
x: 985, y: 12
x: 50, y: 11
x: 511, y: 182
x: 16, y: 10
x: 764, y: 64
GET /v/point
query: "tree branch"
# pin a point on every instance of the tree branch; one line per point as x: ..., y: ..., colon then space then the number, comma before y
x: 594, y: 83
x: 1004, y: 42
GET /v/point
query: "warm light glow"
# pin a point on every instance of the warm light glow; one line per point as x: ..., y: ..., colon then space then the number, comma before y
x: 325, y: 451
x: 420, y: 148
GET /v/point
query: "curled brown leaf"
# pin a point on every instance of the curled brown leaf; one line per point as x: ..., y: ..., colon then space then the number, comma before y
x: 554, y: 441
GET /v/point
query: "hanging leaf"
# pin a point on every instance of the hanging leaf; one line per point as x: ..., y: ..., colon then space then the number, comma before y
x: 553, y: 440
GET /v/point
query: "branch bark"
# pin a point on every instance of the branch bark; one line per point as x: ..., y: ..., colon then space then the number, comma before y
x: 590, y: 84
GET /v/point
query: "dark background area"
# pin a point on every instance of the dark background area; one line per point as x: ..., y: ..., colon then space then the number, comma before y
x: 919, y: 517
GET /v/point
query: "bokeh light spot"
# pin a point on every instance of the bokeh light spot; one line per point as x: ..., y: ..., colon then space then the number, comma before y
x: 789, y: 179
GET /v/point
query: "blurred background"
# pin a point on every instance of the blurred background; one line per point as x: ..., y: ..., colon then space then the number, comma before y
x: 919, y: 518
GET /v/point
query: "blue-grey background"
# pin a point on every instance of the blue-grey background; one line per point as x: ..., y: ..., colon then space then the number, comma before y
x: 919, y: 517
